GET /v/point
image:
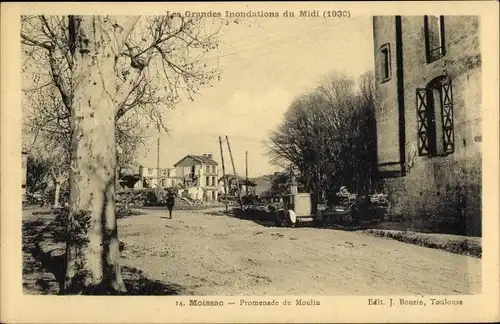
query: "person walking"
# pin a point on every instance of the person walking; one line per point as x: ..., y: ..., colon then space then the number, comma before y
x: 170, y: 201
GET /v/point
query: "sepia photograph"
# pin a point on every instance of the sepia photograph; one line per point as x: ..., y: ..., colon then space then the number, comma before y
x: 215, y: 153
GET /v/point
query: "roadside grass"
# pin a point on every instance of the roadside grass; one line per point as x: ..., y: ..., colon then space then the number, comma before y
x: 458, y: 244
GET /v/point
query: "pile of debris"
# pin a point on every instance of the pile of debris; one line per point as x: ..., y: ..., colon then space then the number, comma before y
x: 347, y: 198
x: 345, y: 195
x: 142, y: 197
x: 350, y: 208
x: 379, y: 199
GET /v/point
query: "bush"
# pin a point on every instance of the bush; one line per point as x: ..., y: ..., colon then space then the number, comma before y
x: 445, y: 223
x: 156, y: 197
x: 458, y: 245
x: 142, y: 197
x: 123, y: 211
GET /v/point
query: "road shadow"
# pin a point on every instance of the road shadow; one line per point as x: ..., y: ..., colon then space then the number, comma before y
x: 36, y: 279
x: 139, y: 285
x: 260, y: 218
x: 270, y: 219
x: 227, y: 213
x: 43, y: 272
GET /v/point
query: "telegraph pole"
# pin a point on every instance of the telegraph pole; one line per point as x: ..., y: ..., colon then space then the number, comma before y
x: 234, y: 170
x: 246, y: 172
x: 158, y: 159
x: 223, y: 172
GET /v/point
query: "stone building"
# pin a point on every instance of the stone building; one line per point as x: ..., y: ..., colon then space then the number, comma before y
x: 246, y: 186
x: 199, y: 174
x: 428, y: 112
x: 156, y: 178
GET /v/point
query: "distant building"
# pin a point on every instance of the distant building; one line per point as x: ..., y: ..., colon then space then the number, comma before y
x: 198, y: 175
x: 428, y: 112
x: 262, y: 184
x: 247, y: 187
x: 154, y: 178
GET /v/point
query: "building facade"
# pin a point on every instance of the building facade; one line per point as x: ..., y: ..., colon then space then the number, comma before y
x: 246, y: 187
x: 199, y: 176
x: 156, y: 178
x: 428, y: 112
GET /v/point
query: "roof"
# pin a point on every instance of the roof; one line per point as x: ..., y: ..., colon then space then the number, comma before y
x: 199, y: 158
x: 205, y: 159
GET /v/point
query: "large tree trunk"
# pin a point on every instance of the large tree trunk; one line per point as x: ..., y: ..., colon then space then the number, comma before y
x: 93, y: 256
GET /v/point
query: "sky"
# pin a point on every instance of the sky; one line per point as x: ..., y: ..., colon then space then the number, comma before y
x: 264, y: 65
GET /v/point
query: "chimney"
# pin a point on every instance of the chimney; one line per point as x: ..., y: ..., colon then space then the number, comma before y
x: 209, y: 155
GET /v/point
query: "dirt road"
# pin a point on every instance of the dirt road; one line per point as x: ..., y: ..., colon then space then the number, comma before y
x: 210, y: 254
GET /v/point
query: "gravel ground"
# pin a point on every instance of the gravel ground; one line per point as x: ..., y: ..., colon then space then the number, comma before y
x: 206, y: 253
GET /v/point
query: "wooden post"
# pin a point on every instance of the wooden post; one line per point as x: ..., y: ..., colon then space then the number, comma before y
x: 246, y: 172
x: 234, y: 170
x: 223, y: 172
x: 158, y: 160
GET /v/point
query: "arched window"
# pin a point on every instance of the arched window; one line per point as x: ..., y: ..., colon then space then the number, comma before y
x: 385, y: 63
x: 435, y: 118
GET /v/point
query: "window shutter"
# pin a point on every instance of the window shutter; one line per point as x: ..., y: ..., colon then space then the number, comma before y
x: 434, y: 32
x: 447, y: 104
x: 422, y: 123
x: 443, y: 38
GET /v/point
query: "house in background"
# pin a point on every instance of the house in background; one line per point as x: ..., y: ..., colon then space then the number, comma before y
x: 428, y: 113
x: 156, y: 178
x: 198, y: 175
x: 247, y: 187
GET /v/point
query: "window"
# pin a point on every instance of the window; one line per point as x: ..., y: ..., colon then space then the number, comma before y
x: 385, y: 62
x: 208, y: 169
x: 213, y: 181
x: 207, y: 181
x: 213, y: 169
x: 150, y: 171
x: 435, y: 118
x: 434, y: 38
x: 163, y: 183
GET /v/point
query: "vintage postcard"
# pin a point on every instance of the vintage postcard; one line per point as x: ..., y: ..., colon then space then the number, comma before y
x: 250, y: 162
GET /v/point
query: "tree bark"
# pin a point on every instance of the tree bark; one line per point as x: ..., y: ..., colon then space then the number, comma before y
x: 57, y: 193
x: 93, y: 256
